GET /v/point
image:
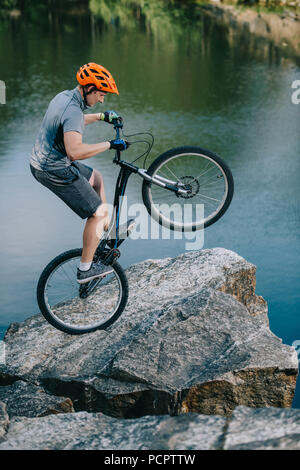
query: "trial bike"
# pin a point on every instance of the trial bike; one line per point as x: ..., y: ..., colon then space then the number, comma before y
x: 186, y: 176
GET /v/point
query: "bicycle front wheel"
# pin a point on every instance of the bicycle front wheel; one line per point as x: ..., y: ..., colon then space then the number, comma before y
x: 207, y: 183
x: 80, y: 308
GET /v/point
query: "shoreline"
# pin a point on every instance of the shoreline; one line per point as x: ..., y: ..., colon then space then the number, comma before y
x: 276, y: 27
x: 281, y: 29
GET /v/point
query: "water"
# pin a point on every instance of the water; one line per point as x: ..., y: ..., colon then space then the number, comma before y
x: 186, y: 85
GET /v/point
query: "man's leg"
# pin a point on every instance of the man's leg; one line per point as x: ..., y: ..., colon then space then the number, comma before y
x: 94, y: 226
x: 96, y: 181
x: 97, y: 223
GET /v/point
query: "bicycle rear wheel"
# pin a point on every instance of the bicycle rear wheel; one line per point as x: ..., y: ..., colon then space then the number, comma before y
x: 208, y: 185
x: 77, y: 309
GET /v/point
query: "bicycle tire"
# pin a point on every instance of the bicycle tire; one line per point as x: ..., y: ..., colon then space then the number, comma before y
x: 52, y: 319
x: 170, y: 155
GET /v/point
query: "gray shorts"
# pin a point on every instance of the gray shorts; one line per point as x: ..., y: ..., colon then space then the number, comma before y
x: 71, y: 184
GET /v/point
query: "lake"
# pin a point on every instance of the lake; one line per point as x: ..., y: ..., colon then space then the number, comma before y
x: 184, y: 80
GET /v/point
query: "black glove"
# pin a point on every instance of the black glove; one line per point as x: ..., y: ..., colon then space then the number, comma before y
x: 119, y: 144
x: 110, y: 117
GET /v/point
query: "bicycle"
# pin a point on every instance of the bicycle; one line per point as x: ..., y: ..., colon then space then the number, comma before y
x: 187, y: 175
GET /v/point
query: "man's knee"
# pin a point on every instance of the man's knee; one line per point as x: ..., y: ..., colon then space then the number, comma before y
x: 96, y: 181
x: 101, y: 216
x: 100, y: 212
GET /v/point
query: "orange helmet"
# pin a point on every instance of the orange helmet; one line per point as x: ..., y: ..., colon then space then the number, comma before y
x: 97, y: 75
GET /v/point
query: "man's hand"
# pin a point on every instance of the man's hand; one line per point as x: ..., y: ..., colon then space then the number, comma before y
x: 110, y: 116
x: 119, y: 144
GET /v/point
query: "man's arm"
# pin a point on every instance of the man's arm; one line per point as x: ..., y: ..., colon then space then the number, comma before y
x: 76, y: 150
x: 89, y: 118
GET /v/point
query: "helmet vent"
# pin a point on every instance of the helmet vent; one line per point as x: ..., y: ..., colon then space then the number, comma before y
x: 99, y: 76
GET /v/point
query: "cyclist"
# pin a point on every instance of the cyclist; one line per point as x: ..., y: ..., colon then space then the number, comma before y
x: 58, y: 148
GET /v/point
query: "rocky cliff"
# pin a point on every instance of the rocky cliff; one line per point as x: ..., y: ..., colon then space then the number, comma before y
x: 194, y: 338
x: 280, y: 30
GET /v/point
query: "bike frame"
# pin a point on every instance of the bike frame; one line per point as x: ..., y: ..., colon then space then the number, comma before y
x: 126, y: 170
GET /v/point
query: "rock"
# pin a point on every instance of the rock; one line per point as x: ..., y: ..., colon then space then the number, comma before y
x: 267, y: 29
x: 24, y: 399
x: 263, y: 429
x: 171, y: 278
x: 248, y: 428
x: 7, y: 375
x: 90, y: 431
x: 194, y: 337
x: 4, y: 420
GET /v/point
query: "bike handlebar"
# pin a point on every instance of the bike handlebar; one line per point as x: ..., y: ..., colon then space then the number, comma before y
x: 118, y: 124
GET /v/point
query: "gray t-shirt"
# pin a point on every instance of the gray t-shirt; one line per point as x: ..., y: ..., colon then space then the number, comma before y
x: 64, y: 114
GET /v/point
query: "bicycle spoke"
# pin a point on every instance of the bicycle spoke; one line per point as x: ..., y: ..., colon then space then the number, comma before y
x: 212, y: 180
x: 207, y: 197
x: 212, y: 184
x: 172, y: 173
x: 202, y: 174
x: 164, y: 175
x: 68, y: 276
x: 206, y: 202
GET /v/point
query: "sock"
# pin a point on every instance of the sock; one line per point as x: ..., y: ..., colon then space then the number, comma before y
x: 84, y: 266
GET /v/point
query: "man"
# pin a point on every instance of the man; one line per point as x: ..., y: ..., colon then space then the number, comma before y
x: 58, y: 147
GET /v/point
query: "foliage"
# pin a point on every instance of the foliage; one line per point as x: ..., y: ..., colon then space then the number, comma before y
x: 166, y: 19
x: 7, y: 4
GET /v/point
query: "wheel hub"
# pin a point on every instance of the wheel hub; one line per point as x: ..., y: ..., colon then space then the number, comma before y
x: 189, y: 184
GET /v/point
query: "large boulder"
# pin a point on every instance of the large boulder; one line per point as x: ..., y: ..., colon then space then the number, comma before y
x: 248, y: 428
x: 194, y: 338
x: 90, y: 431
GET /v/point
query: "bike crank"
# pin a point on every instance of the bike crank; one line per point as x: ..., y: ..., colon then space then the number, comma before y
x: 111, y: 256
